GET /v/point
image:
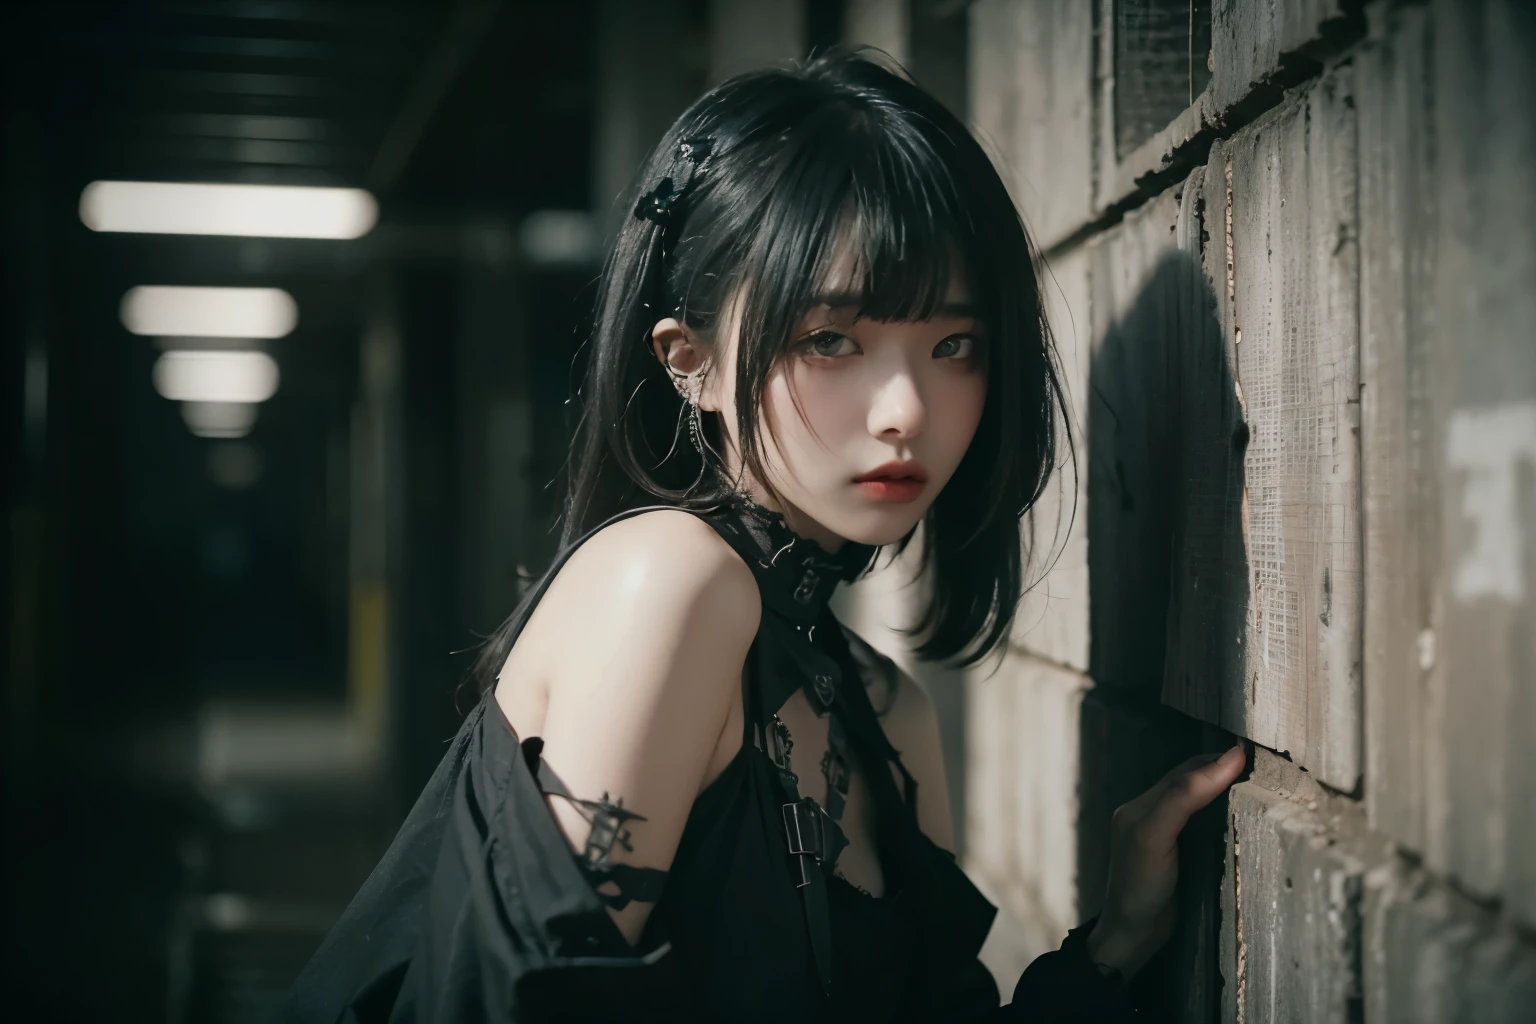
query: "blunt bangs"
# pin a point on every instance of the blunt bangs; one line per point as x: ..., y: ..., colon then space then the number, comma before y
x: 881, y: 207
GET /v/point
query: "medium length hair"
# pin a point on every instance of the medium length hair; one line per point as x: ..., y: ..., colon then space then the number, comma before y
x: 838, y: 154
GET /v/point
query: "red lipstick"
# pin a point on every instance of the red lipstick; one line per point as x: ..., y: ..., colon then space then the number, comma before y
x: 893, y: 481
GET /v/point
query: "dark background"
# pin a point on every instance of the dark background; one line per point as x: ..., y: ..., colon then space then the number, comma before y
x: 230, y: 663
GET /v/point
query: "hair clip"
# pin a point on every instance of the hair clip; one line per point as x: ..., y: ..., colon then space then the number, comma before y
x: 656, y: 205
x: 695, y: 150
x: 659, y: 203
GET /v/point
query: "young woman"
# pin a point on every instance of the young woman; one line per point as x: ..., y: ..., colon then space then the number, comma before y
x: 688, y: 792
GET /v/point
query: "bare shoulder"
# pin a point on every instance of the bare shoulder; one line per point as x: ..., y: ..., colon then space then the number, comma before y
x: 655, y: 600
x: 652, y: 612
x: 670, y: 568
x: 639, y: 643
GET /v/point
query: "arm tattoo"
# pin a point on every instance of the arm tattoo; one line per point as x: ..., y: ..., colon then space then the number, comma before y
x: 607, y: 818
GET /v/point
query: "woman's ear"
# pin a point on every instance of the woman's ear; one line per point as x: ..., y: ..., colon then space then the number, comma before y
x: 674, y: 346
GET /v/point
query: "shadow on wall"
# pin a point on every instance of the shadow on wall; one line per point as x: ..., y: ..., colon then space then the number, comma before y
x: 1168, y: 583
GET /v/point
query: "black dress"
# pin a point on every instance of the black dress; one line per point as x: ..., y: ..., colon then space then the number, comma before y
x: 479, y: 912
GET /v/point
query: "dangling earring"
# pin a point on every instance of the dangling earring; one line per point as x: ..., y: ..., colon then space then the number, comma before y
x: 696, y: 429
x: 690, y: 386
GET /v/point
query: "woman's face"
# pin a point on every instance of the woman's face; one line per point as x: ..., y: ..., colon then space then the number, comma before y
x: 857, y: 398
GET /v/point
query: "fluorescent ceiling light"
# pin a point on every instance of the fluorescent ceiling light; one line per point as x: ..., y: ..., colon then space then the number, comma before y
x: 203, y: 376
x: 209, y: 312
x: 219, y: 419
x: 266, y: 211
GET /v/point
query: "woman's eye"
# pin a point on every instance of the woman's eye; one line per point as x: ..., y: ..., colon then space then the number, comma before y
x: 827, y: 343
x: 959, y: 346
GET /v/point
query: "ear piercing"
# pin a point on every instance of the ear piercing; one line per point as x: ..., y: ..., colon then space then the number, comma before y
x: 690, y: 386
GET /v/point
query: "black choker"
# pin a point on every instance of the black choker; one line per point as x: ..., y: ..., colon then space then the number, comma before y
x: 796, y: 575
x: 784, y: 544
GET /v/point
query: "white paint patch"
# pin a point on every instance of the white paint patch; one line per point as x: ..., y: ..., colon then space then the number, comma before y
x: 1490, y: 444
x: 1426, y: 649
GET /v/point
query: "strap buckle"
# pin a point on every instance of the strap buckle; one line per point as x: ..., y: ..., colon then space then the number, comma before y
x: 812, y: 836
x: 804, y: 829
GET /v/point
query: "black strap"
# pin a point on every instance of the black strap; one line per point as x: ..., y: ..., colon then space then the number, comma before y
x: 810, y: 835
x: 634, y: 883
x: 645, y: 885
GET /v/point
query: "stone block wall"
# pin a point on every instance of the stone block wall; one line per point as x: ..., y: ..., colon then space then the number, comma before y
x: 1295, y: 324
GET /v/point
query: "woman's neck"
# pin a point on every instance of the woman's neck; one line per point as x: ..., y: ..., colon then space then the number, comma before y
x: 799, y: 523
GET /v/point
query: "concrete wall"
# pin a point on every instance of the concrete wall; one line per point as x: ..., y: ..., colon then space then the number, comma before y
x: 1294, y: 327
x: 1295, y: 323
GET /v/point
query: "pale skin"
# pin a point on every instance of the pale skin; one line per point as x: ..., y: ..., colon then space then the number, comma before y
x: 649, y: 707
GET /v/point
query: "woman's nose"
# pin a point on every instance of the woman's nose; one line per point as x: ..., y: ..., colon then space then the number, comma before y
x: 898, y: 408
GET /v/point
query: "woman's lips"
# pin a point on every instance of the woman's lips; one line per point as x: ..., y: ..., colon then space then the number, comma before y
x: 899, y: 480
x: 897, y: 489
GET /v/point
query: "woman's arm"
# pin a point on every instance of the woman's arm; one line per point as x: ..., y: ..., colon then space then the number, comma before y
x: 648, y: 626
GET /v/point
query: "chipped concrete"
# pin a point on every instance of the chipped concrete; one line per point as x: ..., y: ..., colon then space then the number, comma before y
x: 1296, y: 900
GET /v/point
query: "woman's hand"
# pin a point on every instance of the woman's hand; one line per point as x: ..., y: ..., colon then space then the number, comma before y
x: 1139, y: 912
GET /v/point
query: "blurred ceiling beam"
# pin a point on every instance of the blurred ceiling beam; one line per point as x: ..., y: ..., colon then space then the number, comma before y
x: 239, y: 83
x: 243, y: 126
x: 242, y: 46
x: 302, y: 11
x: 234, y: 151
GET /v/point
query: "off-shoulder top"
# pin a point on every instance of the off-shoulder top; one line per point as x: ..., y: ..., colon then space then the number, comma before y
x: 478, y: 910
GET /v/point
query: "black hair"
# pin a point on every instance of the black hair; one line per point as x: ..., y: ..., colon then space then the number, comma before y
x: 837, y: 150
